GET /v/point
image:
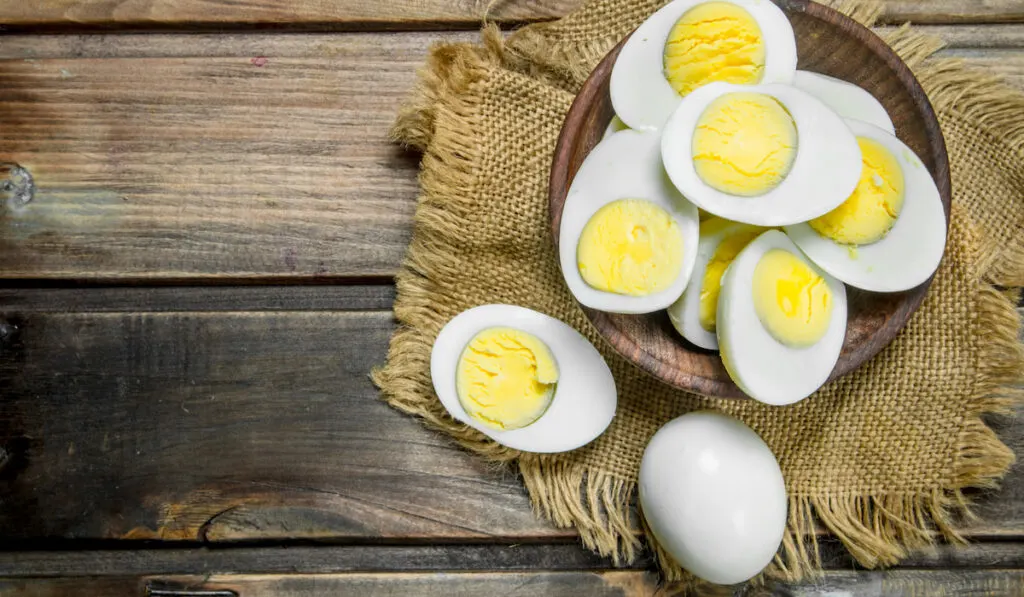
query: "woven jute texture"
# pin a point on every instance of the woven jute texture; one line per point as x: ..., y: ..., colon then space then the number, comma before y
x: 880, y: 457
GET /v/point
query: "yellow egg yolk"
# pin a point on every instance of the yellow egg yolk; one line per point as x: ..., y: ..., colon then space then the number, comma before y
x: 711, y: 287
x: 631, y: 247
x: 744, y: 144
x: 714, y: 41
x: 506, y: 378
x: 871, y: 211
x: 792, y: 301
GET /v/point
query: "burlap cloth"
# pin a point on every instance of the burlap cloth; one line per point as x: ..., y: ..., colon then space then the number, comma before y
x: 880, y: 457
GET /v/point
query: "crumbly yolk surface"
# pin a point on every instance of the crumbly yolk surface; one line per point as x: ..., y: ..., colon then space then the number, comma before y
x: 714, y: 41
x: 506, y: 378
x: 793, y: 302
x: 711, y: 286
x: 871, y: 211
x: 632, y: 247
x: 744, y: 144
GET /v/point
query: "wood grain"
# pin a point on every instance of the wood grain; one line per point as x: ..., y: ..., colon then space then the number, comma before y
x: 617, y: 583
x: 401, y: 14
x: 226, y: 426
x: 250, y: 426
x: 332, y: 559
x: 827, y: 42
x: 237, y: 166
x: 520, y: 584
x: 289, y: 170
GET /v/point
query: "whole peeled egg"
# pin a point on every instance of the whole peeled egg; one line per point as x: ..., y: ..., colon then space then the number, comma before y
x: 524, y: 379
x: 627, y: 238
x: 689, y: 43
x: 714, y: 497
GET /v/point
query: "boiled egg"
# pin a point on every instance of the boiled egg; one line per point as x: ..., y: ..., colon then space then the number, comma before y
x: 767, y: 155
x: 781, y: 321
x: 628, y: 239
x: 614, y: 126
x: 889, y: 235
x: 524, y: 379
x: 845, y: 99
x: 694, y: 315
x: 689, y: 43
x: 713, y: 496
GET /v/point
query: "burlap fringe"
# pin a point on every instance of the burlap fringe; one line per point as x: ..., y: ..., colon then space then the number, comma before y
x: 878, y: 530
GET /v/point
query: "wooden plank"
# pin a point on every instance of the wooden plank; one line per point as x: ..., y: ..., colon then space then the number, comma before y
x: 198, y: 298
x: 289, y: 173
x: 332, y: 559
x: 401, y: 14
x: 301, y: 559
x: 243, y: 166
x: 908, y: 583
x: 618, y: 583
x: 520, y: 584
x: 225, y: 426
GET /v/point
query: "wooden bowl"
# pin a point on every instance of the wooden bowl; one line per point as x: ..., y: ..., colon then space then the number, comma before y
x: 827, y: 42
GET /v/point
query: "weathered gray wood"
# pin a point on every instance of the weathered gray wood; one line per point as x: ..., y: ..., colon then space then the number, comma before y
x: 220, y: 426
x: 289, y: 173
x: 401, y: 14
x: 330, y: 559
x: 619, y: 583
x: 198, y: 298
x: 224, y: 426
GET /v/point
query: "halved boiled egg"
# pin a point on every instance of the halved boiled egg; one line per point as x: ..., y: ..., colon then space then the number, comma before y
x: 781, y: 321
x: 694, y: 315
x: 889, y: 235
x: 689, y: 43
x: 524, y: 379
x: 628, y: 239
x: 614, y: 126
x: 767, y: 155
x: 845, y: 99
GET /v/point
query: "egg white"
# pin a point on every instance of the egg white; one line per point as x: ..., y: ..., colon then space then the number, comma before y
x: 614, y: 126
x: 910, y: 253
x: 585, y: 398
x: 685, y: 312
x: 626, y: 165
x: 713, y: 494
x: 643, y: 97
x: 764, y: 368
x: 845, y: 99
x: 824, y: 173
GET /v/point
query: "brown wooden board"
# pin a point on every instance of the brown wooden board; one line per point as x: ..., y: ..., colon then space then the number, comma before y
x: 242, y: 425
x: 400, y: 14
x: 612, y: 583
x: 221, y: 426
x: 328, y: 559
x: 176, y: 158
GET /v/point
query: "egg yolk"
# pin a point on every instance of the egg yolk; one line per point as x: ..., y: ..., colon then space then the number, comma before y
x: 725, y: 252
x: 871, y: 211
x: 631, y: 247
x: 744, y: 144
x: 506, y: 378
x: 792, y: 301
x: 714, y: 41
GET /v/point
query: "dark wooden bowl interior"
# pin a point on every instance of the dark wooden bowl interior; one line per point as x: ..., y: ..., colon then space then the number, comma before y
x: 827, y: 42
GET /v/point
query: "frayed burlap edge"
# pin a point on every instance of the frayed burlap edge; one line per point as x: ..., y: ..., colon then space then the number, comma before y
x: 878, y: 530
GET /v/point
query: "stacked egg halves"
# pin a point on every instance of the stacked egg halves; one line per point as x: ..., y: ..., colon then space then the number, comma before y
x: 801, y: 184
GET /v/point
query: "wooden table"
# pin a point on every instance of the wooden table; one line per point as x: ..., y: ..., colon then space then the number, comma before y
x: 191, y: 305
